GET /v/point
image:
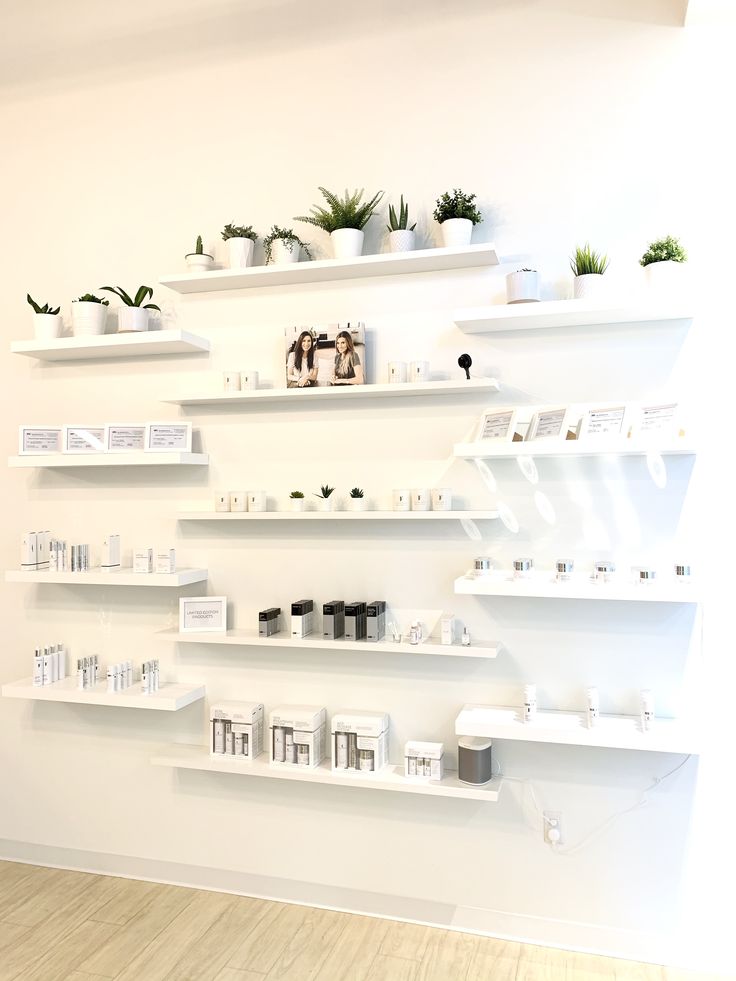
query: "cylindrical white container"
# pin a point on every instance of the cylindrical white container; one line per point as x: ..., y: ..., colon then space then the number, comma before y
x: 564, y: 569
x: 530, y: 703
x: 199, y: 262
x: 46, y: 326
x: 257, y: 500
x: 231, y: 381
x: 456, y: 232
x: 482, y: 566
x: 682, y: 572
x: 238, y: 501
x: 239, y: 252
x: 248, y: 380
x: 283, y: 252
x: 593, y: 707
x: 420, y: 499
x: 441, y: 499
x: 419, y: 371
x: 604, y: 571
x: 589, y: 286
x: 523, y: 568
x: 88, y: 318
x: 667, y: 276
x: 522, y: 286
x: 401, y: 500
x: 402, y: 240
x: 222, y: 501
x: 396, y: 372
x: 297, y: 503
x: 132, y: 320
x: 643, y: 575
x: 647, y: 709
x: 474, y: 761
x: 347, y: 243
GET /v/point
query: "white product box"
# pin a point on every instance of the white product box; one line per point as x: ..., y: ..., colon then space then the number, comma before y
x: 166, y: 560
x: 447, y: 630
x: 236, y: 729
x: 28, y: 550
x: 424, y: 760
x: 111, y: 552
x: 143, y: 560
x: 297, y: 735
x: 360, y: 740
x: 43, y: 540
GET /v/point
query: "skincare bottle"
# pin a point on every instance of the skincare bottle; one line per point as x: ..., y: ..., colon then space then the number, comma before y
x: 414, y: 633
x: 530, y: 702
x: 279, y: 744
x: 682, y: 573
x: 37, y: 668
x: 604, y: 571
x: 156, y: 675
x: 564, y: 570
x: 128, y: 673
x: 110, y: 678
x: 447, y: 630
x: 289, y: 752
x: 145, y: 680
x: 647, y: 710
x: 48, y: 671
x: 593, y: 707
x: 466, y: 637
x: 341, y: 750
x: 483, y: 566
x: 302, y: 754
x: 61, y: 658
x: 523, y: 568
x: 643, y: 576
x: 365, y: 759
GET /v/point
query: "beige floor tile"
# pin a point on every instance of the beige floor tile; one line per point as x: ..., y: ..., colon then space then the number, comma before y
x: 387, y: 968
x: 631, y: 971
x: 230, y: 974
x: 57, y: 890
x: 263, y: 946
x: 134, y: 895
x: 11, y: 933
x: 69, y: 952
x: 497, y: 959
x: 448, y: 955
x: 408, y: 940
x: 356, y: 948
x: 308, y: 948
x: 23, y: 888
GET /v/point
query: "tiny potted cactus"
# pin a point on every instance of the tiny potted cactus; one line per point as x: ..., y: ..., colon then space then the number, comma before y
x: 240, y: 243
x: 89, y: 315
x: 282, y: 246
x: 47, y: 321
x: 588, y: 268
x: 457, y: 214
x: 344, y: 220
x: 663, y: 263
x: 297, y: 500
x: 522, y: 286
x: 357, y: 501
x: 199, y: 260
x: 133, y: 315
x: 401, y: 238
x: 325, y: 497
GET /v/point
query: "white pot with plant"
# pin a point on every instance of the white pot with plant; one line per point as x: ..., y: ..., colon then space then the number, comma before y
x: 457, y: 214
x: 325, y: 497
x: 47, y: 321
x: 199, y: 260
x: 296, y: 499
x: 663, y: 264
x: 344, y: 220
x: 89, y: 315
x: 281, y: 246
x: 401, y: 238
x: 134, y: 314
x: 522, y: 286
x: 357, y: 500
x: 588, y: 268
x: 240, y: 244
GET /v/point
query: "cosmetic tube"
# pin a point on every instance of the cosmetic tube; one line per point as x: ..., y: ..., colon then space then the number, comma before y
x: 530, y: 702
x: 647, y: 710
x: 37, y: 668
x: 593, y: 710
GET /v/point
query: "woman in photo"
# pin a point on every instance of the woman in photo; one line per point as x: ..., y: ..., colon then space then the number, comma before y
x: 301, y: 365
x: 348, y: 370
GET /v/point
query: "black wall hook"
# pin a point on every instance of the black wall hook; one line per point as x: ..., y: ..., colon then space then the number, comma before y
x: 465, y: 362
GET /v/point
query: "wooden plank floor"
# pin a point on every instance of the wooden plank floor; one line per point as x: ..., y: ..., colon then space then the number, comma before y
x: 72, y: 926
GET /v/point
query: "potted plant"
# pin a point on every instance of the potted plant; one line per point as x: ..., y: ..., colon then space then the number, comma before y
x: 662, y: 263
x: 133, y: 316
x: 357, y: 501
x: 297, y: 501
x: 344, y: 220
x: 325, y: 497
x: 240, y: 241
x: 522, y: 286
x: 282, y: 246
x: 89, y: 314
x: 199, y: 260
x: 588, y: 268
x: 47, y: 322
x: 401, y: 238
x: 457, y: 214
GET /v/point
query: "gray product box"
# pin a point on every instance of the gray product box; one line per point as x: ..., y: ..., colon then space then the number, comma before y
x: 376, y: 620
x: 269, y: 621
x: 355, y: 621
x: 333, y: 619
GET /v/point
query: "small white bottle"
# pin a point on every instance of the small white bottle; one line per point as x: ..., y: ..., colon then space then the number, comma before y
x: 414, y: 633
x: 37, y: 668
x: 156, y: 676
x: 110, y: 679
x: 465, y: 640
x: 144, y: 678
x: 128, y: 674
x: 647, y: 710
x: 530, y: 703
x: 593, y: 707
x: 61, y: 658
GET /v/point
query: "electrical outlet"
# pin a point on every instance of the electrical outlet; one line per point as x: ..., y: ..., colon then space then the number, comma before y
x: 552, y: 823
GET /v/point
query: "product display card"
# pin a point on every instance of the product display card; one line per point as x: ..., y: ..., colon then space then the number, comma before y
x: 84, y: 439
x: 43, y: 439
x: 655, y: 418
x: 119, y: 439
x: 604, y: 422
x: 163, y: 436
x: 548, y: 424
x: 497, y: 425
x: 202, y: 614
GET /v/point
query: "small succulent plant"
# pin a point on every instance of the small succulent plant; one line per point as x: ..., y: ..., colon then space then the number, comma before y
x: 239, y: 231
x: 457, y: 205
x: 664, y: 250
x: 144, y: 293
x: 296, y: 495
x: 587, y: 261
x: 285, y: 235
x: 400, y: 222
x: 325, y: 491
x: 356, y: 492
x: 46, y: 308
x: 91, y: 298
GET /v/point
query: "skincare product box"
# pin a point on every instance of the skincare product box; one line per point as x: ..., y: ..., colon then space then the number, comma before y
x: 333, y: 620
x: 447, y: 630
x: 237, y: 729
x: 43, y: 544
x: 111, y: 552
x: 269, y: 621
x: 28, y: 553
x: 424, y: 760
x: 376, y: 620
x: 166, y: 560
x: 297, y: 735
x: 356, y: 617
x: 143, y: 560
x: 302, y: 618
x: 359, y: 740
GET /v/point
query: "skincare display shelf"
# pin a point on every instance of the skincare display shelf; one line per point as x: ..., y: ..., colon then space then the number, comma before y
x: 334, y: 270
x: 98, y: 347
x: 542, y: 587
x: 123, y: 577
x: 142, y: 459
x: 337, y: 516
x: 389, y: 778
x: 250, y: 638
x: 262, y: 396
x: 505, y: 450
x: 568, y: 313
x: 169, y: 697
x: 569, y: 729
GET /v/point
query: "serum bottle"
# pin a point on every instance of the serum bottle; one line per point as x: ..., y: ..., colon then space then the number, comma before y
x: 647, y: 710
x: 530, y: 703
x: 593, y: 710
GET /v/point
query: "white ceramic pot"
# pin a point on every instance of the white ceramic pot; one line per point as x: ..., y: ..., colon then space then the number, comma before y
x: 665, y: 276
x: 441, y: 499
x: 46, y: 326
x: 239, y: 252
x: 357, y: 503
x: 522, y: 287
x: 420, y: 499
x: 88, y: 318
x: 403, y: 240
x: 132, y: 319
x: 283, y: 252
x: 347, y: 243
x: 297, y: 503
x: 456, y: 232
x: 199, y: 262
x: 325, y: 503
x: 589, y: 287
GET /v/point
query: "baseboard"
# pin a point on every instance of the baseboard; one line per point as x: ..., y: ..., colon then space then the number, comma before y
x: 562, y: 934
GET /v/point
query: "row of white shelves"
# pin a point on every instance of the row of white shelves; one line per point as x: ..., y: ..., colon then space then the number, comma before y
x: 133, y: 459
x: 434, y: 516
x: 541, y: 587
x: 111, y: 577
x: 169, y: 698
x: 132, y: 345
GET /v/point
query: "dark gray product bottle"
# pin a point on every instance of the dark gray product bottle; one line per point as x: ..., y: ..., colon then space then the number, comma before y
x: 474, y: 765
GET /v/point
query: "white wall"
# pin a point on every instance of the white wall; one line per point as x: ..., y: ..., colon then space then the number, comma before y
x: 121, y: 146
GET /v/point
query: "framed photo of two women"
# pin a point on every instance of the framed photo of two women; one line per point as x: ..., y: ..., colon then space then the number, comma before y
x: 325, y: 354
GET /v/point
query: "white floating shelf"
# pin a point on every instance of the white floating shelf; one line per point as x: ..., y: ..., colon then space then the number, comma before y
x: 169, y: 698
x: 65, y: 460
x: 390, y: 778
x: 491, y: 450
x: 569, y: 728
x: 332, y: 392
x: 338, y: 516
x: 249, y: 638
x: 566, y: 313
x: 326, y: 270
x: 135, y: 345
x: 546, y: 588
x: 125, y: 577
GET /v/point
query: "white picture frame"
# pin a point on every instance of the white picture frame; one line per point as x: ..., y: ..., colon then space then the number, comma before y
x: 202, y: 614
x: 84, y: 439
x: 125, y: 437
x: 497, y: 425
x: 607, y: 421
x: 39, y: 440
x: 551, y: 422
x: 663, y: 418
x: 168, y: 437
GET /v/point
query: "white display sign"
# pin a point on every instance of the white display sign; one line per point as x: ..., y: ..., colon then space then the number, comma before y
x: 497, y: 424
x: 655, y: 418
x: 162, y: 437
x: 40, y: 439
x: 549, y: 424
x: 202, y: 614
x: 125, y: 437
x: 84, y: 439
x: 607, y: 421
